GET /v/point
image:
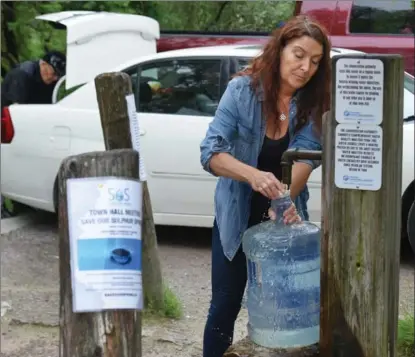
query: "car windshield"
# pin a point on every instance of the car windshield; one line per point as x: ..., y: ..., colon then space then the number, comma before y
x: 409, y: 83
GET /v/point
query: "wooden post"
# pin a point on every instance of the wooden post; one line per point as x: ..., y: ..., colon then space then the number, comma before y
x: 111, y: 333
x: 362, y: 176
x: 112, y: 89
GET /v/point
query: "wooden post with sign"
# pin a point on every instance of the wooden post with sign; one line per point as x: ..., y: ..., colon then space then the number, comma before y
x: 98, y: 315
x: 112, y: 91
x: 362, y: 177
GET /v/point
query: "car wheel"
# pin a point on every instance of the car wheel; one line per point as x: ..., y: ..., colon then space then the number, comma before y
x: 411, y: 226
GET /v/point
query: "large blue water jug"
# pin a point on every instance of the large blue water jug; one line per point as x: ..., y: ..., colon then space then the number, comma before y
x: 283, y: 291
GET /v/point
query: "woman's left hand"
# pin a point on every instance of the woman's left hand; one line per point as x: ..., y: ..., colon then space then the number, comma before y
x: 290, y: 215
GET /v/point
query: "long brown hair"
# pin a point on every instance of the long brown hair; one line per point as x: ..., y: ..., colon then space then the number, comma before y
x: 314, y: 97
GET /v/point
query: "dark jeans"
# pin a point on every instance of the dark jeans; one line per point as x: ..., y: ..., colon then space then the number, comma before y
x: 228, y: 286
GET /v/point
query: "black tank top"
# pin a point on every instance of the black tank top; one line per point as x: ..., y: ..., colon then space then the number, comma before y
x: 269, y: 160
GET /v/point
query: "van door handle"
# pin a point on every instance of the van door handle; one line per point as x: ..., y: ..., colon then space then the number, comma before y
x: 142, y: 132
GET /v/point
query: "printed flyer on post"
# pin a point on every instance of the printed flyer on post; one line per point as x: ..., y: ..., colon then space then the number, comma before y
x: 104, y: 215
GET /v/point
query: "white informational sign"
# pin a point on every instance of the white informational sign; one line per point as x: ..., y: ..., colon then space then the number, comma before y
x: 104, y: 221
x: 135, y: 133
x: 358, y: 157
x: 359, y: 91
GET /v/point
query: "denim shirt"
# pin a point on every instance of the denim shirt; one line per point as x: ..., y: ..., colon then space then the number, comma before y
x: 238, y: 128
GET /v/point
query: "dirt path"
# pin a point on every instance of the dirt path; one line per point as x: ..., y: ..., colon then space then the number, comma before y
x: 187, y: 269
x: 29, y: 271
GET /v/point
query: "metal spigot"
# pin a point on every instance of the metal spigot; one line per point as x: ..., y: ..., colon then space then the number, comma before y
x: 290, y: 155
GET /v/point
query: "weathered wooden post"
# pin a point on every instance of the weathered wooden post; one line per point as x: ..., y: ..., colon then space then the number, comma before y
x: 100, y: 255
x: 362, y: 176
x: 116, y: 106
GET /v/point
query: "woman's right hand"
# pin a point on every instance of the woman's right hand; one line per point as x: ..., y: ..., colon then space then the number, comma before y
x: 267, y: 184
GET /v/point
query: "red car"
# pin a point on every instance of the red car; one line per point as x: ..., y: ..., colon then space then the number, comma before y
x: 370, y: 26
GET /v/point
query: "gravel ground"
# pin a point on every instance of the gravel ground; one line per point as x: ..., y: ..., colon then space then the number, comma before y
x: 29, y: 271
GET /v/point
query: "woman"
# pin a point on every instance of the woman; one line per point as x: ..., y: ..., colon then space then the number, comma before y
x: 276, y: 104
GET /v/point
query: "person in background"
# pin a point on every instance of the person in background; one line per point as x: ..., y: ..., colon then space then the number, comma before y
x: 275, y: 104
x: 32, y: 82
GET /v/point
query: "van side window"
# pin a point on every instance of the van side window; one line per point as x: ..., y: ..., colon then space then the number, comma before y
x: 180, y: 86
x: 395, y: 17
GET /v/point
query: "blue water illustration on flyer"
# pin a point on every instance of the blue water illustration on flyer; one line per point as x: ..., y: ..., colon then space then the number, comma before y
x: 109, y: 254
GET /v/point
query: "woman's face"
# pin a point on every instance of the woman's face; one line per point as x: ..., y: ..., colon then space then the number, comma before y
x: 300, y: 59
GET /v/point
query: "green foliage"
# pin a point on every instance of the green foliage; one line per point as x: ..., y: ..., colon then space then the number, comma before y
x: 173, y: 308
x: 260, y: 15
x: 8, y: 204
x: 406, y: 336
x: 24, y: 37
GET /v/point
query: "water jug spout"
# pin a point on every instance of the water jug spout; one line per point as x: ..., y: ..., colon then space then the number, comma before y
x: 290, y: 155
